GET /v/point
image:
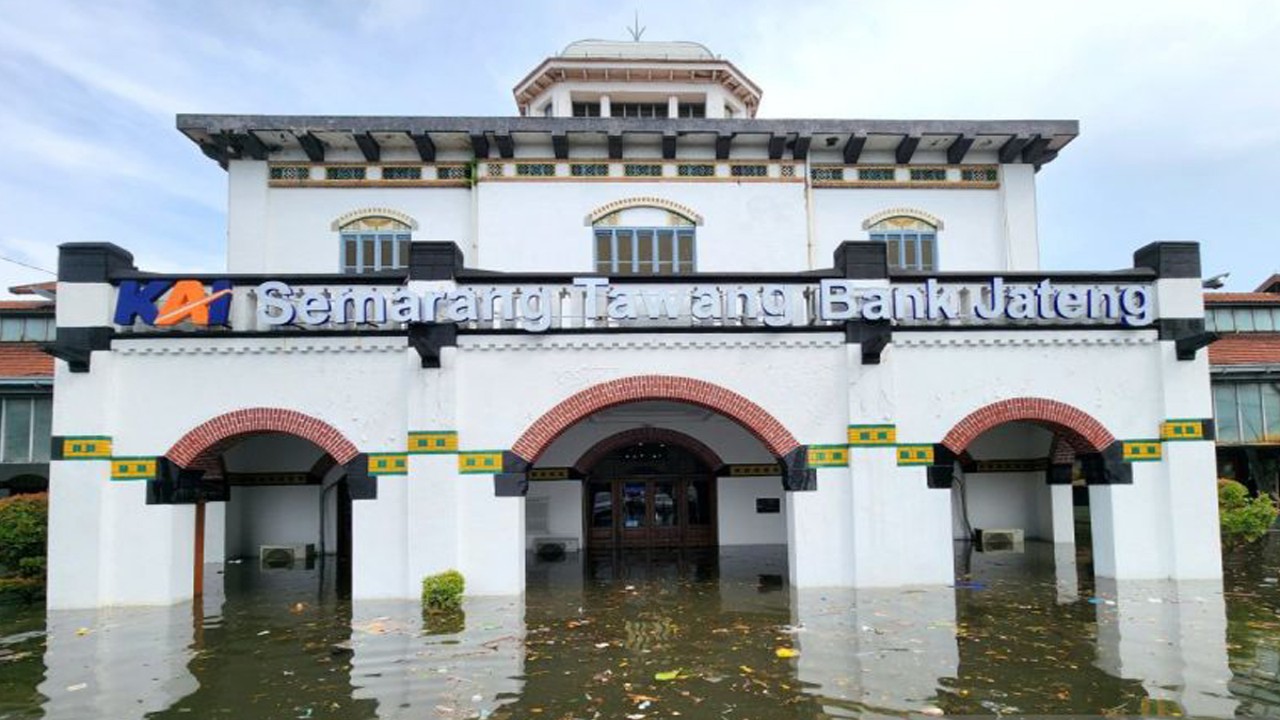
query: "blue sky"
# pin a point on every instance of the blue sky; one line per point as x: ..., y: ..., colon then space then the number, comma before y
x: 1178, y: 101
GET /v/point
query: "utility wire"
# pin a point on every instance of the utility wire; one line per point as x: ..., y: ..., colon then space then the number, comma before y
x: 28, y: 265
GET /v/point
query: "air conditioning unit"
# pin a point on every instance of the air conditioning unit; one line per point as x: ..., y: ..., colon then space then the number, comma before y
x: 1002, y: 540
x: 554, y: 548
x: 277, y: 557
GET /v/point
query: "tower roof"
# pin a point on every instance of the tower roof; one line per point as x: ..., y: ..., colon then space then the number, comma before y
x: 639, y: 50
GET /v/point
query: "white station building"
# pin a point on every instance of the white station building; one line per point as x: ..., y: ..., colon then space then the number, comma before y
x: 633, y: 316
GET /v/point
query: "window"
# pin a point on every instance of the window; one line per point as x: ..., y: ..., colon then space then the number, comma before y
x: 401, y: 172
x: 589, y: 169
x: 639, y: 110
x: 876, y: 174
x: 644, y: 251
x: 912, y: 242
x: 748, y: 170
x: 586, y: 109
x: 692, y: 110
x: 374, y: 243
x: 27, y: 329
x: 929, y: 174
x: 1242, y: 319
x: 344, y: 172
x: 24, y: 429
x: 696, y: 170
x: 1247, y: 412
x: 535, y: 169
x: 642, y: 170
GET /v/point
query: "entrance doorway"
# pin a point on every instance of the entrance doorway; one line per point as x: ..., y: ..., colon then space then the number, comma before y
x: 648, y: 495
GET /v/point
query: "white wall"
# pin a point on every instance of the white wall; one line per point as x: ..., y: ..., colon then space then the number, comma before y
x: 540, y: 226
x: 973, y: 235
x: 276, y: 515
x: 1007, y: 500
x: 737, y: 519
x: 564, y: 509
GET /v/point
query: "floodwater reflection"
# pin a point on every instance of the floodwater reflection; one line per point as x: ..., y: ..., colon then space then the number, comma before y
x: 710, y: 633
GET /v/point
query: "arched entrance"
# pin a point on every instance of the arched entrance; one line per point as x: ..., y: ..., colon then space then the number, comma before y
x: 659, y: 462
x: 270, y: 491
x: 1020, y: 485
x: 649, y: 487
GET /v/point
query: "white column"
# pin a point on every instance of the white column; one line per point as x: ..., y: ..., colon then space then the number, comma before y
x: 1128, y: 524
x: 1190, y: 466
x: 819, y: 537
x: 433, y: 507
x: 673, y: 106
x: 605, y: 109
x: 249, y: 231
x: 491, y: 545
x: 379, y: 529
x: 1062, y: 509
x: 902, y: 528
x: 1018, y: 198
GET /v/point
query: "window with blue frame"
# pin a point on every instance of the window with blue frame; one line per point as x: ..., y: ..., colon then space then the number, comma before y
x: 644, y: 250
x: 373, y: 244
x: 913, y: 243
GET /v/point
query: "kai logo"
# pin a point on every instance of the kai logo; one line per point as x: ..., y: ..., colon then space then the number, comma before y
x: 164, y: 303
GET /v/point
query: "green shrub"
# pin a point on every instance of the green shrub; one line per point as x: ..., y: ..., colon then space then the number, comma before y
x: 1243, y: 519
x: 443, y: 592
x: 24, y: 524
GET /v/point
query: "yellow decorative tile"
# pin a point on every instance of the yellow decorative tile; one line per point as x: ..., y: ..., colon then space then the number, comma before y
x: 480, y: 461
x: 828, y: 455
x: 133, y: 468
x: 388, y: 463
x: 873, y: 435
x: 1142, y: 450
x: 1182, y: 430
x: 915, y: 454
x: 433, y: 442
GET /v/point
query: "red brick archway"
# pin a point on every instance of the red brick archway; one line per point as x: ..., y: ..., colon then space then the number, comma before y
x: 753, y: 418
x: 201, y: 446
x: 636, y: 436
x: 1075, y: 427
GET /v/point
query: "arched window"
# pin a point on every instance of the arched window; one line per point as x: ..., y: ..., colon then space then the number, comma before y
x: 374, y: 242
x: 913, y: 242
x: 644, y: 240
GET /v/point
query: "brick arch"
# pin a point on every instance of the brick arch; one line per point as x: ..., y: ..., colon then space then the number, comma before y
x: 635, y: 436
x: 202, y: 445
x: 753, y: 418
x: 1077, y: 428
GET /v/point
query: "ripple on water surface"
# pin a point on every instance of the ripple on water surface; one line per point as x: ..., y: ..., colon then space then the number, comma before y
x: 669, y: 634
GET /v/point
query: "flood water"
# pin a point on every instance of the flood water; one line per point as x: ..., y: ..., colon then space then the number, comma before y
x: 671, y: 634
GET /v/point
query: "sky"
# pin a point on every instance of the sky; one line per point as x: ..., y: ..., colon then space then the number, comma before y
x: 1178, y: 102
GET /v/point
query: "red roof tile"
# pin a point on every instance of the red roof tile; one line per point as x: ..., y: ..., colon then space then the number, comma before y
x: 1239, y: 297
x: 35, y: 288
x: 26, y: 305
x: 1246, y: 349
x: 19, y: 359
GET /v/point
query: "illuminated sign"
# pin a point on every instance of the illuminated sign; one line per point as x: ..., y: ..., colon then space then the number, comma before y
x: 165, y: 303
x: 595, y: 300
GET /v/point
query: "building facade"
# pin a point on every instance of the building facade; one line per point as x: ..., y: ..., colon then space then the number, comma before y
x: 633, y: 317
x: 26, y: 389
x: 1244, y: 367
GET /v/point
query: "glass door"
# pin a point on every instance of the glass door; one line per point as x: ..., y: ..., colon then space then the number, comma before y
x: 636, y: 521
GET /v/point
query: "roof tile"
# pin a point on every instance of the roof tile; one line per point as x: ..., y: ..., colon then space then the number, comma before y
x: 20, y: 360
